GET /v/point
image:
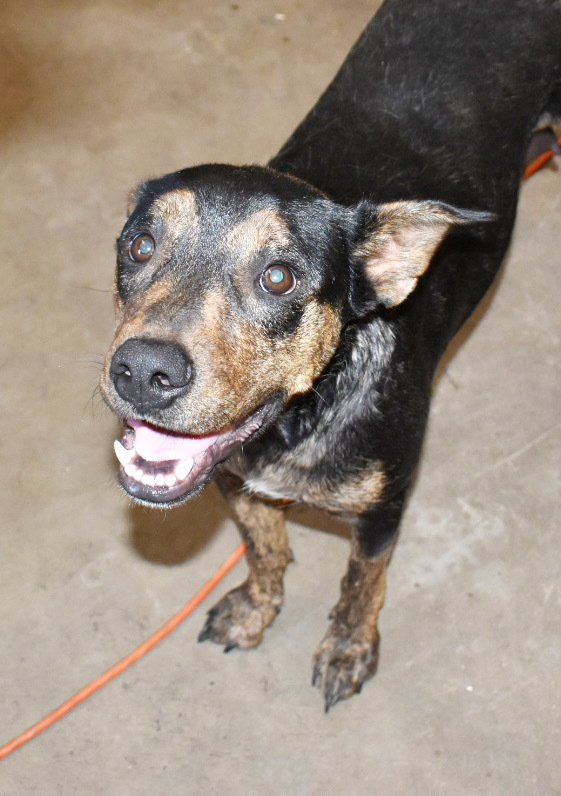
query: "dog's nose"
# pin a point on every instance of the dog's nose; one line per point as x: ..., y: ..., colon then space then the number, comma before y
x: 150, y: 374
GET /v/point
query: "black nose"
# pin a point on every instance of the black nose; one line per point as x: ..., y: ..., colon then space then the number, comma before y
x: 150, y: 374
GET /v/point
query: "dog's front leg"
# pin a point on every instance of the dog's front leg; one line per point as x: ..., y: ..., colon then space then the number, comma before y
x: 348, y: 654
x: 240, y: 618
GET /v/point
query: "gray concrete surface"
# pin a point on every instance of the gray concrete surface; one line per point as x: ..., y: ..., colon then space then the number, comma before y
x: 96, y: 96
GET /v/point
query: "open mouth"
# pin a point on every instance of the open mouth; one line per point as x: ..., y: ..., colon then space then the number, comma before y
x: 163, y: 467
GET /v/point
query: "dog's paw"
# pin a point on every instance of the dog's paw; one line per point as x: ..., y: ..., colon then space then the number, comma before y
x: 341, y: 666
x: 239, y: 620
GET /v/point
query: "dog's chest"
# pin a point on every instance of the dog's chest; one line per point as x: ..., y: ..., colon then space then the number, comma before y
x: 310, y: 474
x: 280, y: 475
x: 327, y: 467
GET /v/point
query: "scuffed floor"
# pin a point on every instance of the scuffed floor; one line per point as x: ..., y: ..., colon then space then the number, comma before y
x: 94, y: 97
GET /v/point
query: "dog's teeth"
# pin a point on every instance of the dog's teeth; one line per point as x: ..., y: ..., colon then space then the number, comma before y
x: 183, y: 469
x: 134, y: 472
x: 160, y: 480
x: 149, y: 480
x: 123, y: 455
x: 170, y: 480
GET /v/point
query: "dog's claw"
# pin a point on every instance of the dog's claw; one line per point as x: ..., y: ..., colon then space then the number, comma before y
x: 330, y: 700
x: 230, y: 646
x: 316, y: 674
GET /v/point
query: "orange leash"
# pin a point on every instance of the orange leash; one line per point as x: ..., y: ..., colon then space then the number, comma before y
x: 539, y: 162
x: 128, y: 660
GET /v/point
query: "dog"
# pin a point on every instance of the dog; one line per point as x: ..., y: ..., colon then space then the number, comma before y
x: 279, y: 327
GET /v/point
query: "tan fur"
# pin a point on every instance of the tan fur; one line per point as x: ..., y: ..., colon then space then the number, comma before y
x: 290, y: 477
x: 263, y: 528
x: 259, y: 230
x: 242, y: 615
x: 178, y: 209
x: 363, y: 590
x: 239, y: 366
x: 131, y: 320
x: 351, y: 642
x: 353, y: 496
x: 401, y: 247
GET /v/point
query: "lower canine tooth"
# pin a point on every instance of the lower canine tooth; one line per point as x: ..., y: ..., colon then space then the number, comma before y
x: 130, y: 469
x: 183, y: 469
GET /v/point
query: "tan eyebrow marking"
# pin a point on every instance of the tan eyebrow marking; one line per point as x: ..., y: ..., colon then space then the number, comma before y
x: 178, y: 209
x: 262, y: 228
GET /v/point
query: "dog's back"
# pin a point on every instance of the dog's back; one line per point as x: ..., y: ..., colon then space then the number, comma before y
x: 423, y: 108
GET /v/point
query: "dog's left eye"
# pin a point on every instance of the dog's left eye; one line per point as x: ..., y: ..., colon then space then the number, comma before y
x: 278, y: 279
x: 142, y: 248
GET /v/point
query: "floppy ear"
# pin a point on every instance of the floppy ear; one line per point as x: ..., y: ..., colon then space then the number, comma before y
x: 400, y: 241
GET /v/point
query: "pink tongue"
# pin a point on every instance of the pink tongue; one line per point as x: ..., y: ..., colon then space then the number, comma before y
x: 157, y: 446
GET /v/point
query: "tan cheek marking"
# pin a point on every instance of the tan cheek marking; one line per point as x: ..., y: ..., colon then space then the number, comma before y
x: 239, y: 366
x: 313, y: 345
x: 219, y: 352
x: 263, y: 228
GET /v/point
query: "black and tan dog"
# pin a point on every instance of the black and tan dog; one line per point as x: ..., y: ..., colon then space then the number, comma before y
x: 279, y: 327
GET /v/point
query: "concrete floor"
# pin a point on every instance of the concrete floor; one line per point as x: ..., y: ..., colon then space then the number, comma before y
x: 467, y: 700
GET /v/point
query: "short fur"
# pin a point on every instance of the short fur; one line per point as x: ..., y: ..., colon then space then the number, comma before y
x: 392, y: 204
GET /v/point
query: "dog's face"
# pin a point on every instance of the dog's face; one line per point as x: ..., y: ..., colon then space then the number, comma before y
x: 232, y: 287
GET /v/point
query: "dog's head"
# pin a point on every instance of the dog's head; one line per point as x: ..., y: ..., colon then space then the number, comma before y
x: 232, y: 288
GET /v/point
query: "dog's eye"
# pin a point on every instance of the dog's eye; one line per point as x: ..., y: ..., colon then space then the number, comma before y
x: 142, y: 248
x: 278, y: 279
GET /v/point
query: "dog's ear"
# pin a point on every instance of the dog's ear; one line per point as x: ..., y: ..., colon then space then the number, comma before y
x: 397, y: 241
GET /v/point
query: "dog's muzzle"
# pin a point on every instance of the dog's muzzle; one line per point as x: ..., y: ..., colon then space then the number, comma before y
x: 159, y: 465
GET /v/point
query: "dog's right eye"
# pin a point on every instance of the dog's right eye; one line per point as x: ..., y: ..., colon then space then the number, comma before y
x: 142, y: 248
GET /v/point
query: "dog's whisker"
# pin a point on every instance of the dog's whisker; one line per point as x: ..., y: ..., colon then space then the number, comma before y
x: 92, y: 289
